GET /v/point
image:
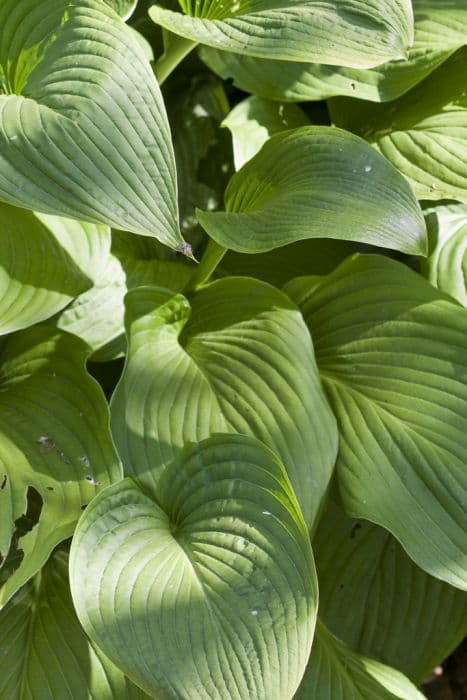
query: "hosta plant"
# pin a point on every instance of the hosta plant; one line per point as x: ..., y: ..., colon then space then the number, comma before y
x: 233, y: 373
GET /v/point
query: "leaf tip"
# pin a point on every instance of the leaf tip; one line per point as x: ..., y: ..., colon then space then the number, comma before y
x: 186, y: 249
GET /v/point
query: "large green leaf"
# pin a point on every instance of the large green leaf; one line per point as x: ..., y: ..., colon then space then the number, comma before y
x: 391, y: 353
x: 423, y: 133
x: 336, y: 672
x: 223, y: 361
x: 376, y: 600
x: 83, y: 128
x: 207, y: 589
x: 254, y: 120
x: 55, y: 447
x: 96, y: 316
x: 44, y: 650
x: 439, y: 31
x: 45, y: 262
x: 446, y: 265
x: 317, y: 182
x: 341, y: 32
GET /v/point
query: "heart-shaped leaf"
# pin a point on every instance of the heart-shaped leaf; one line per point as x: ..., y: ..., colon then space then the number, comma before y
x: 367, y: 34
x: 209, y: 591
x: 83, y: 128
x: 335, y: 671
x: 46, y: 262
x: 44, y: 650
x: 55, y: 447
x: 376, y: 600
x: 421, y: 133
x: 317, y: 182
x: 439, y: 31
x: 391, y: 353
x: 223, y: 361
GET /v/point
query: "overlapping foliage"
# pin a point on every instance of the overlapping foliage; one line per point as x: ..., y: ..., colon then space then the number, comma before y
x: 242, y: 477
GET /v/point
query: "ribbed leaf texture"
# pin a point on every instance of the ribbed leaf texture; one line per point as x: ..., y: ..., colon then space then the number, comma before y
x: 223, y: 361
x: 208, y: 591
x: 83, y: 128
x: 391, y: 353
x: 369, y: 32
x: 315, y: 182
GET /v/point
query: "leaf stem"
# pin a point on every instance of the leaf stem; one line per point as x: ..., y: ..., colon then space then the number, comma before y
x: 175, y: 52
x: 210, y: 260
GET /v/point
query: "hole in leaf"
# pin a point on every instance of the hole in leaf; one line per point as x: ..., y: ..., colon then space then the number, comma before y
x: 4, y: 481
x: 24, y: 524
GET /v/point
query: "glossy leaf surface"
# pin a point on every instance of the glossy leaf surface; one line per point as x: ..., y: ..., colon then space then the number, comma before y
x: 317, y: 182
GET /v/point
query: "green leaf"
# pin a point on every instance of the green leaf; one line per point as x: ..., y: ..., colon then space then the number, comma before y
x: 368, y: 34
x: 423, y: 133
x: 222, y: 362
x: 376, y: 600
x: 55, y: 447
x: 317, y: 182
x: 391, y: 353
x: 96, y: 316
x: 439, y: 31
x: 45, y: 652
x: 124, y: 8
x: 213, y: 583
x: 335, y: 671
x: 45, y: 263
x: 446, y: 265
x: 254, y: 120
x: 83, y: 128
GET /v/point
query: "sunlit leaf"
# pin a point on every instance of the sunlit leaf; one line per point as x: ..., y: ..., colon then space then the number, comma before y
x: 423, y: 133
x: 254, y: 120
x: 83, y: 128
x: 96, y: 316
x: 317, y: 182
x: 368, y: 33
x: 45, y: 262
x: 439, y: 31
x: 212, y: 578
x: 55, y: 448
x: 446, y: 265
x: 222, y: 361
